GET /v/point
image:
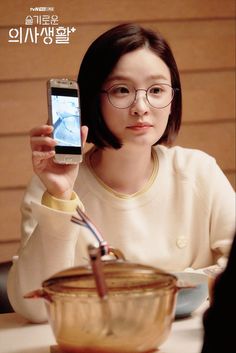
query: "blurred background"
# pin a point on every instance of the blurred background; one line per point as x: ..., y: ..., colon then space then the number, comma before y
x: 201, y: 34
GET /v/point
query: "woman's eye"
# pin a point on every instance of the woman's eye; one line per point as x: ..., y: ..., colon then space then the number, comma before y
x: 156, y: 90
x: 120, y: 90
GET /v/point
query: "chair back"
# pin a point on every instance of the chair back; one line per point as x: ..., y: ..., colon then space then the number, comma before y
x: 5, y: 306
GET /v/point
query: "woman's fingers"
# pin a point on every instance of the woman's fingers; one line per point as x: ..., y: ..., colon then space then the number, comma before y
x: 40, y: 138
x: 42, y: 144
x: 44, y: 130
x: 37, y: 155
x: 39, y: 143
x: 84, y: 133
x: 41, y: 135
x: 40, y: 159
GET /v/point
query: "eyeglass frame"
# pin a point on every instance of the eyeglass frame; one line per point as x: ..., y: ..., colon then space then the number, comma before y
x: 174, y: 90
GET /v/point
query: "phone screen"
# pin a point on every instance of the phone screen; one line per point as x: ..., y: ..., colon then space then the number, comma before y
x: 66, y: 120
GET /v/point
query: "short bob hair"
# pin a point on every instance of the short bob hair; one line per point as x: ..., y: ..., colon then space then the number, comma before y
x: 100, y: 60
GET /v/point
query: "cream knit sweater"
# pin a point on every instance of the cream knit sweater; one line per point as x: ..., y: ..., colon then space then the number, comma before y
x: 184, y: 217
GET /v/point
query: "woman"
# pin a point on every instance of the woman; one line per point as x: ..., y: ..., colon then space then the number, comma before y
x: 164, y: 206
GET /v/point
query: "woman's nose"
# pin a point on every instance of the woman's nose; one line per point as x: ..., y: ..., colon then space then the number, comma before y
x: 140, y: 105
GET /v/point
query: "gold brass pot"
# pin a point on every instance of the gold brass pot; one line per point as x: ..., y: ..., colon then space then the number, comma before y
x: 135, y: 317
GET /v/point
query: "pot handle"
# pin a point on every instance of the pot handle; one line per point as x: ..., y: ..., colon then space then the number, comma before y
x: 117, y: 253
x: 38, y: 293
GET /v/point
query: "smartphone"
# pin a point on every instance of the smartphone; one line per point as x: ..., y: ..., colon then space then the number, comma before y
x: 64, y: 115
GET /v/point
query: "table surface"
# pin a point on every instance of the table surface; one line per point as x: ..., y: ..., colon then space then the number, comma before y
x: 19, y: 336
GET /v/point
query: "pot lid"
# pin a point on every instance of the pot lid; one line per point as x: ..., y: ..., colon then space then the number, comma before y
x: 120, y: 276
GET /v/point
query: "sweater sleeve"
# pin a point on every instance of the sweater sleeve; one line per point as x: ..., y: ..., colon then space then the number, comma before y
x: 222, y: 220
x: 218, y: 205
x: 48, y: 245
x: 213, y: 210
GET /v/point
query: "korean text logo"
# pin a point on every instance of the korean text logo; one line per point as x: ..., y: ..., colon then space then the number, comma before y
x: 41, y: 27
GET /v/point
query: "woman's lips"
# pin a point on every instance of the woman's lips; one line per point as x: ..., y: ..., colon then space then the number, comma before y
x: 139, y: 127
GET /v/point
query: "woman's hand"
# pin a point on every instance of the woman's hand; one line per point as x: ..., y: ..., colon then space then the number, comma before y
x: 58, y: 179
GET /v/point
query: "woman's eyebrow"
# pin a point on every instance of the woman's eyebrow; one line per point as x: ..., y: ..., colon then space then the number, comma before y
x: 157, y: 77
x: 128, y: 78
x: 117, y: 78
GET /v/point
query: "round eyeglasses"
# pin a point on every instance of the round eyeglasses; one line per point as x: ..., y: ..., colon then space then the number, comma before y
x: 122, y: 96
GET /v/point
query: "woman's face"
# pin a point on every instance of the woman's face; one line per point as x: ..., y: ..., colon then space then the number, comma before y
x: 140, y: 123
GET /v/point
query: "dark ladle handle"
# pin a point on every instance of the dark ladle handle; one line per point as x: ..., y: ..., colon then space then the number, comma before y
x: 97, y: 268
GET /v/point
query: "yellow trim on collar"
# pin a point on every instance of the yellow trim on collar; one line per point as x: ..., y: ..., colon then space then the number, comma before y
x: 119, y: 194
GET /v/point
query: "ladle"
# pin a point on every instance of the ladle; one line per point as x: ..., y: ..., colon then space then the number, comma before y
x: 102, y: 290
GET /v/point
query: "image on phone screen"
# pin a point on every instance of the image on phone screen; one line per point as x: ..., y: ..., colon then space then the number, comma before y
x: 66, y: 118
